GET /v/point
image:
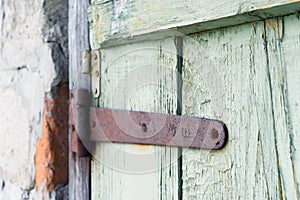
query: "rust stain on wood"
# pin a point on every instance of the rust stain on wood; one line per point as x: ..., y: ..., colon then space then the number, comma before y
x: 275, y: 24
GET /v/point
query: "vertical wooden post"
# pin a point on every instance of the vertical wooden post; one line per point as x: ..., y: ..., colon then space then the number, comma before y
x: 79, y: 168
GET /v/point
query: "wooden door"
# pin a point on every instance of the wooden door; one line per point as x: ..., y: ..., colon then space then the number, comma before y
x: 236, y: 61
x: 135, y: 77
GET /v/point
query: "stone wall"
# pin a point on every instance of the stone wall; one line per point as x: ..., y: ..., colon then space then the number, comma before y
x: 33, y: 68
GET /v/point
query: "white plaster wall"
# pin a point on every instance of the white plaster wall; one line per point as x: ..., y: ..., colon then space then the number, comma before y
x: 28, y: 68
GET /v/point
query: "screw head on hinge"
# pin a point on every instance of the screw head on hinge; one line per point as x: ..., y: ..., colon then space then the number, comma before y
x: 95, y: 56
x: 93, y: 124
x: 144, y: 127
x: 214, y: 134
x: 73, y: 127
x: 95, y: 72
x: 95, y: 91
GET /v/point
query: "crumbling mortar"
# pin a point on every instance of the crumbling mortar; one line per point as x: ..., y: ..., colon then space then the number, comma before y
x: 55, y: 34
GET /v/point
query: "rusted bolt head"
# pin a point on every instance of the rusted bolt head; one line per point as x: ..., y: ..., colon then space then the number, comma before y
x: 144, y: 127
x: 93, y: 124
x: 214, y: 134
x: 73, y: 127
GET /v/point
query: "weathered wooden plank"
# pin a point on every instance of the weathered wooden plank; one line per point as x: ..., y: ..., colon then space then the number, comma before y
x: 79, y: 168
x: 123, y: 21
x: 139, y: 77
x: 226, y: 76
x: 291, y: 49
x: 282, y: 43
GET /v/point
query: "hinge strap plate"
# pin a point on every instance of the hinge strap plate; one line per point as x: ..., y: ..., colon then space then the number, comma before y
x: 92, y: 65
x: 109, y: 125
x: 79, y: 121
x: 91, y: 124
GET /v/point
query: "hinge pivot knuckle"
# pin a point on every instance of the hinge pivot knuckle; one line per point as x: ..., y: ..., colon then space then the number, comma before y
x: 95, y: 72
x: 91, y: 64
x: 79, y: 121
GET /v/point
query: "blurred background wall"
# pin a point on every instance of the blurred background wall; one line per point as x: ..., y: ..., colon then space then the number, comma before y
x: 33, y: 66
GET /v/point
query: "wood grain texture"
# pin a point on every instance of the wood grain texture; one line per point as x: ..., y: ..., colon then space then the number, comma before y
x: 246, y: 76
x: 140, y: 77
x: 79, y: 168
x: 125, y: 21
x: 282, y: 42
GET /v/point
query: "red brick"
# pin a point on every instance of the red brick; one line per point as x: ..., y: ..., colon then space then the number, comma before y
x: 52, y: 149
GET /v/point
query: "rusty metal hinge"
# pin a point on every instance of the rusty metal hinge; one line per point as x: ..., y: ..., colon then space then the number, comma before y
x: 79, y: 121
x: 110, y: 125
x: 92, y: 65
x: 93, y: 124
x: 80, y: 103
